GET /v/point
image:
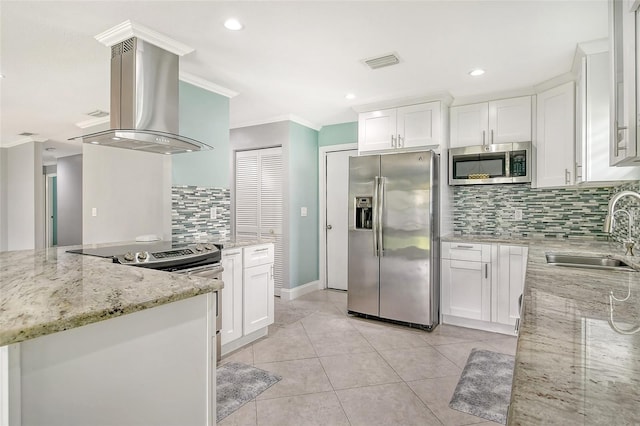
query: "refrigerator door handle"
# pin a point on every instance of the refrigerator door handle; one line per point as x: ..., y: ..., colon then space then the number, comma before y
x: 374, y: 224
x: 380, y: 207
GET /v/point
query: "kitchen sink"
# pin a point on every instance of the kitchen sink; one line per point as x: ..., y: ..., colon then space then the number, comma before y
x: 589, y: 262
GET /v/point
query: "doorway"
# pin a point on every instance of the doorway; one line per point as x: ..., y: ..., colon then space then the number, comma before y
x: 51, y: 210
x: 334, y: 215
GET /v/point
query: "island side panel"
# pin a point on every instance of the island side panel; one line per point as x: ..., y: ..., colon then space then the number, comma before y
x: 155, y: 366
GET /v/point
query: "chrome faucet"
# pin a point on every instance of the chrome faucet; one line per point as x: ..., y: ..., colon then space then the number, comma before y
x: 609, y: 221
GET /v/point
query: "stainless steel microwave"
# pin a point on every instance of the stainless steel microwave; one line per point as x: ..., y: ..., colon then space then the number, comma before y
x: 486, y: 164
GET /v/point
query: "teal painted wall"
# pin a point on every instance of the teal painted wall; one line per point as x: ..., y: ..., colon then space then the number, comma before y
x: 303, y: 192
x: 204, y: 116
x: 338, y: 134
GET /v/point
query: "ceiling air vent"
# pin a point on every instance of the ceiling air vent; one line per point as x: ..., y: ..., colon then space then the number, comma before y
x: 382, y: 61
x: 27, y: 134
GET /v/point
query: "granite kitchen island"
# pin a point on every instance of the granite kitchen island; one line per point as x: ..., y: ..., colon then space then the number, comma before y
x: 573, y: 364
x: 86, y: 339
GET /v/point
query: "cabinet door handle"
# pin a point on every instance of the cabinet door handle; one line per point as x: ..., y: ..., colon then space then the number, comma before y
x: 262, y: 249
x: 483, y: 136
x: 462, y: 246
x: 491, y: 135
x: 486, y: 270
x: 393, y: 141
x: 400, y: 141
x: 272, y: 271
x: 517, y: 327
x: 567, y: 176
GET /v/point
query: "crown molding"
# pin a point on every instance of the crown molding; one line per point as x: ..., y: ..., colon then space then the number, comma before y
x: 207, y: 85
x: 444, y: 97
x: 554, y: 82
x: 128, y: 29
x: 93, y: 122
x: 23, y: 141
x: 277, y: 119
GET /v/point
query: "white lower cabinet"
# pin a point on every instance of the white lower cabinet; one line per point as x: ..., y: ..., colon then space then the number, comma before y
x: 231, y: 295
x: 466, y: 280
x: 481, y: 284
x: 248, y: 295
x: 512, y: 267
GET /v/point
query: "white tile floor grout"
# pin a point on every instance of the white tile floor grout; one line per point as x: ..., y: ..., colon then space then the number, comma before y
x: 339, y: 369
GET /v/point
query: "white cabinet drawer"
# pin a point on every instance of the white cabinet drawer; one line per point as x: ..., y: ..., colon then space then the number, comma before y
x: 258, y: 255
x: 472, y: 252
x: 465, y: 251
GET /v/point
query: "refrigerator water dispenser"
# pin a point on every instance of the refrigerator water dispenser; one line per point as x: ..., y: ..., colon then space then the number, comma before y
x: 364, y: 213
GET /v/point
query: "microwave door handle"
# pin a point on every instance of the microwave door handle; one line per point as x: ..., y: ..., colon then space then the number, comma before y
x: 507, y: 164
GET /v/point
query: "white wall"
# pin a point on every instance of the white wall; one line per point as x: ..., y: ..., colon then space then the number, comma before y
x: 131, y: 192
x: 25, y: 197
x: 3, y: 198
x: 69, y: 187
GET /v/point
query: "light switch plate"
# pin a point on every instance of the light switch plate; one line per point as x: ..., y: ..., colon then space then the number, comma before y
x: 213, y: 214
x: 517, y: 215
x: 94, y: 211
x: 303, y: 211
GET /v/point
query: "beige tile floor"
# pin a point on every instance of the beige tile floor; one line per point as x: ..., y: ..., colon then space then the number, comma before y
x: 342, y: 370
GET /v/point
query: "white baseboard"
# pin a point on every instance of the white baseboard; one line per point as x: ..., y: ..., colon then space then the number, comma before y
x: 294, y: 293
x: 479, y: 325
x: 242, y: 341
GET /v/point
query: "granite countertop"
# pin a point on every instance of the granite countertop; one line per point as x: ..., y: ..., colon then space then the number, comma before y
x: 571, y: 366
x: 46, y: 291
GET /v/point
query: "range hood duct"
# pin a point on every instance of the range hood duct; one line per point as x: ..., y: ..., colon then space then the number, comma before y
x: 144, y: 101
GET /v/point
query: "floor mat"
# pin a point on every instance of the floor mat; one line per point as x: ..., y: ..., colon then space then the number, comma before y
x: 484, y: 388
x: 237, y: 384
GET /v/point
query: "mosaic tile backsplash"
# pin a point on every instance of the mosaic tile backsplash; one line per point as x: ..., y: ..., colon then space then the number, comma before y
x: 191, y: 213
x: 560, y: 213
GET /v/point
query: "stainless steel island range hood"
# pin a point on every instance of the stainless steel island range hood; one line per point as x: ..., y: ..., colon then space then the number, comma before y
x: 144, y: 101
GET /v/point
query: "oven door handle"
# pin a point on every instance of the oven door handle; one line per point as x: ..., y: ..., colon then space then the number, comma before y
x: 207, y: 271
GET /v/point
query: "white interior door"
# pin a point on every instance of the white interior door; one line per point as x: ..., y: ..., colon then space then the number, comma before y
x: 258, y: 202
x: 337, y: 203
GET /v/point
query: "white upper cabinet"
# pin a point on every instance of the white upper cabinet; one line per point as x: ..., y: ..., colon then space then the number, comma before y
x: 500, y: 121
x: 412, y: 126
x: 593, y: 118
x: 624, y: 97
x: 377, y: 130
x: 469, y: 125
x: 555, y: 137
x: 510, y: 120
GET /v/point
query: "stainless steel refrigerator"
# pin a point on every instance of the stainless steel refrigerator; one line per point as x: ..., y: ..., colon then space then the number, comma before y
x: 394, y: 255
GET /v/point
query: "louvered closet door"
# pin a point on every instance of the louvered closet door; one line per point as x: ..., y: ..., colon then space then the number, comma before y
x: 259, y: 201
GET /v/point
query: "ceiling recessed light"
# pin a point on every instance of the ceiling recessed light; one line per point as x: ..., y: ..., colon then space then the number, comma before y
x: 167, y: 153
x: 115, y: 138
x: 95, y: 142
x: 189, y: 150
x: 350, y: 96
x: 476, y: 72
x: 233, y: 24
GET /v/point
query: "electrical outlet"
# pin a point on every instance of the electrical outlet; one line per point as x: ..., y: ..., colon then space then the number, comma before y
x: 213, y: 214
x: 517, y: 214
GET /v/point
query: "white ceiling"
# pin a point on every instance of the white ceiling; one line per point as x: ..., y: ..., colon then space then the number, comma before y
x: 298, y: 57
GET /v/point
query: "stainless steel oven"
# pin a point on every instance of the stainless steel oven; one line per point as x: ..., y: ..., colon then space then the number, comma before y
x: 486, y: 164
x: 214, y: 272
x: 199, y: 260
